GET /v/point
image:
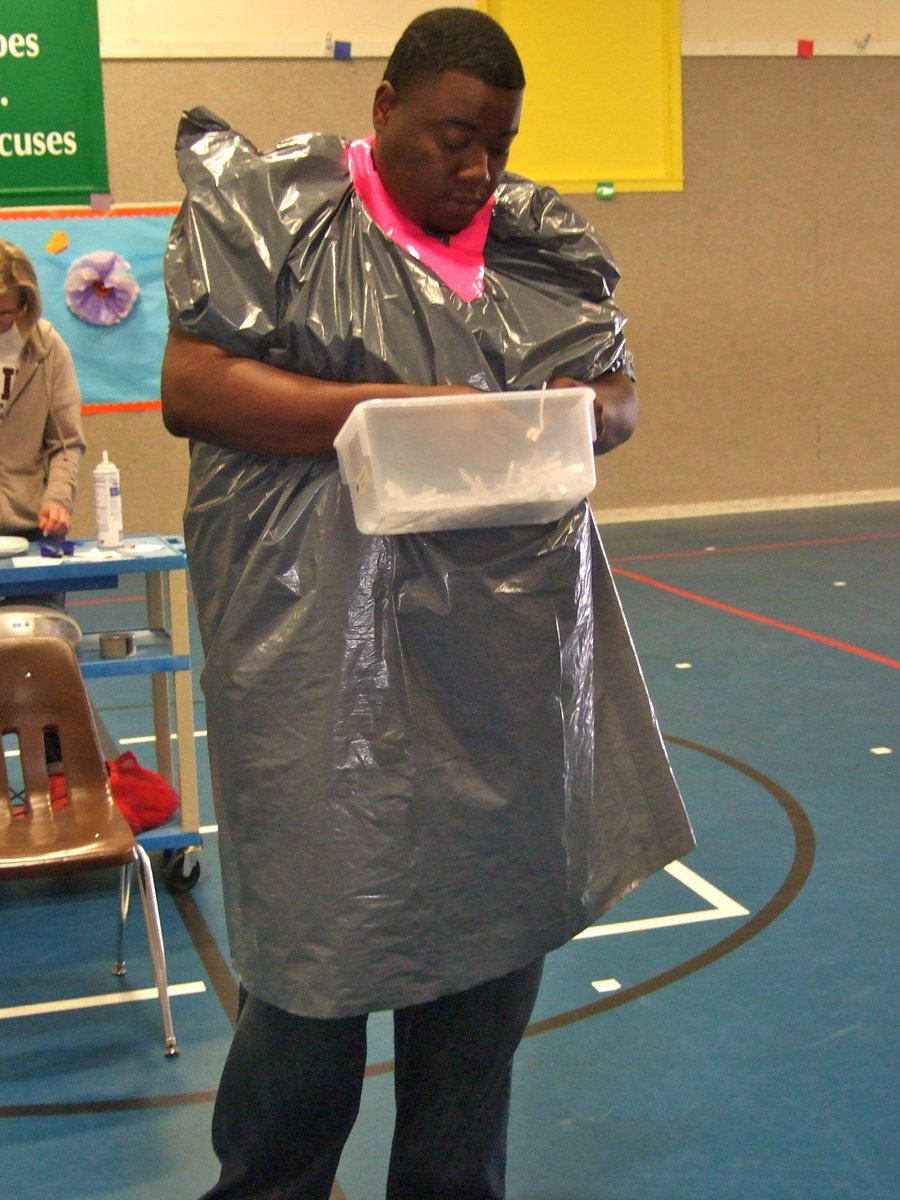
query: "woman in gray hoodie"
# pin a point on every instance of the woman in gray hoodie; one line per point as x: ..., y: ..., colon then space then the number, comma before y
x: 41, y: 439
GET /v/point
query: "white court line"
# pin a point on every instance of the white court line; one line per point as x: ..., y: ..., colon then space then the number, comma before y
x: 54, y: 1006
x: 722, y: 907
x: 143, y: 740
x: 706, y: 890
x: 140, y: 741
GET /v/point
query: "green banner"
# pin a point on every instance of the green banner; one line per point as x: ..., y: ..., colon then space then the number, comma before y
x: 52, y: 135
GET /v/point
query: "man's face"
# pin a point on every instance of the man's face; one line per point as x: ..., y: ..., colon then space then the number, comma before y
x: 440, y: 151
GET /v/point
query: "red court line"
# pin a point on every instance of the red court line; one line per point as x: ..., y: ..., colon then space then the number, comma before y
x: 838, y: 541
x: 751, y: 616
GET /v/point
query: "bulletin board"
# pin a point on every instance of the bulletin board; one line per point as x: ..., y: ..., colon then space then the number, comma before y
x: 118, y: 365
x: 602, y: 109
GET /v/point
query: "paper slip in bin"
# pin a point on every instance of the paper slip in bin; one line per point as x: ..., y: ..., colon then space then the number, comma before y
x: 467, y: 461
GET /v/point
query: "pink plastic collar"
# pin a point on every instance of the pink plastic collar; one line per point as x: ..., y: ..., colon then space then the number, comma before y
x: 460, y: 264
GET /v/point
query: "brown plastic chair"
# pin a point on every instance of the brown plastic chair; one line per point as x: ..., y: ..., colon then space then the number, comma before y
x: 78, y: 827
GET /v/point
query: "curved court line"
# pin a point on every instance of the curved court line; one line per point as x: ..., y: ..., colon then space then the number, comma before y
x: 759, y: 618
x: 801, y: 865
x: 798, y: 873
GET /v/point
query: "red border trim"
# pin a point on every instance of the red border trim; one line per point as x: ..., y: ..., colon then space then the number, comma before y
x: 88, y: 410
x: 62, y: 213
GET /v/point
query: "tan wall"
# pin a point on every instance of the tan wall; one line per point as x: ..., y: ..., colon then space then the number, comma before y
x: 763, y: 299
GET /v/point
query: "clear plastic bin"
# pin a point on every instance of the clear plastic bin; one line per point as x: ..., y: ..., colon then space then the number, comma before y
x: 468, y: 461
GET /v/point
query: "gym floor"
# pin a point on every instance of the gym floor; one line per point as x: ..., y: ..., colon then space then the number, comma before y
x: 728, y: 1032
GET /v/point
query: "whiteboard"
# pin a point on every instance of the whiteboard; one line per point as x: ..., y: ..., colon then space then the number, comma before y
x: 778, y: 27
x: 253, y: 28
x: 290, y: 29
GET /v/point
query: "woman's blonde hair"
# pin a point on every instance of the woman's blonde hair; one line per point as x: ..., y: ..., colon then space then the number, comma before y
x: 17, y: 275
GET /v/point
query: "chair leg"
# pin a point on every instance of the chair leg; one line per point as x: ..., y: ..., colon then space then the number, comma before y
x: 125, y: 877
x: 157, y: 949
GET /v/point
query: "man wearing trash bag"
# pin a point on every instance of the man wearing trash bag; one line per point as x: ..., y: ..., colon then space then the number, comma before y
x: 433, y: 755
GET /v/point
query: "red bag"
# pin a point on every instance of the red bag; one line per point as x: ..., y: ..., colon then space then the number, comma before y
x: 143, y: 797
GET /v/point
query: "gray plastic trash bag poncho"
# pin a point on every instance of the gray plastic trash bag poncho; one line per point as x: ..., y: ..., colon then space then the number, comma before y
x: 433, y: 755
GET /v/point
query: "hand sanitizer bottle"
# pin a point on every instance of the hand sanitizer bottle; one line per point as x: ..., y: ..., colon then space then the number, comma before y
x: 108, y: 503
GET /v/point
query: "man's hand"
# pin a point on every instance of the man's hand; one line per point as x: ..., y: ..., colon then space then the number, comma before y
x: 54, y: 520
x: 615, y: 407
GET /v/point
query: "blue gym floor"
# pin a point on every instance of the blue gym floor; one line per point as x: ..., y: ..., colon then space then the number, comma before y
x: 729, y: 1032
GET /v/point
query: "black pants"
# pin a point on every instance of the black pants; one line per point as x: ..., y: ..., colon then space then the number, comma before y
x: 291, y: 1089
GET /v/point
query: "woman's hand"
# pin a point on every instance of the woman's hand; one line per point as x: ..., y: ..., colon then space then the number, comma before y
x: 54, y: 520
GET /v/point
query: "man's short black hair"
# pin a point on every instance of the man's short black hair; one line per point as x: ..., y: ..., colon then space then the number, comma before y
x: 455, y: 39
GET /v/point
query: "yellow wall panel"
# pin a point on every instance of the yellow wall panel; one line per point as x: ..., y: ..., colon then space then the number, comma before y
x: 603, y: 94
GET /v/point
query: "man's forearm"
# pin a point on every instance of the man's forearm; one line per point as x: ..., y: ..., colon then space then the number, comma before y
x: 245, y: 404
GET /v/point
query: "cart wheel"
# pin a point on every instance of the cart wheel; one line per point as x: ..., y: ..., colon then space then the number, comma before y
x: 177, y: 879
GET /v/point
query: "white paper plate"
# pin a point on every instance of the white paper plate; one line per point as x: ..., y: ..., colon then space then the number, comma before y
x: 13, y: 545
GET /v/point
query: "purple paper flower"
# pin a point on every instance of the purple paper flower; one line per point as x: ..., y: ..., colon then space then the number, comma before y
x: 100, y: 288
